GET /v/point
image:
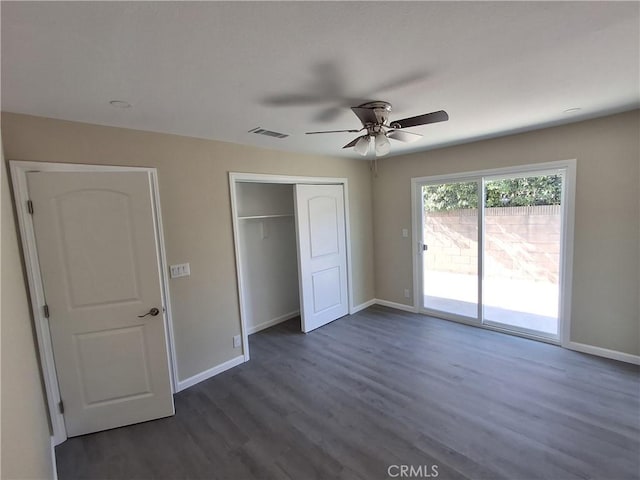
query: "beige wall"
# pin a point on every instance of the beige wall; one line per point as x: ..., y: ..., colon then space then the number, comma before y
x: 606, y: 260
x: 197, y: 220
x: 194, y: 193
x: 26, y: 441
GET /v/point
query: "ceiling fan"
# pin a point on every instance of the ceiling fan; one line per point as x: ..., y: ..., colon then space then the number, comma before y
x: 375, y: 120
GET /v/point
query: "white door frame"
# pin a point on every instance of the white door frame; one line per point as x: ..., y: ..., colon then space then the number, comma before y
x: 19, y: 171
x: 566, y: 241
x: 236, y: 177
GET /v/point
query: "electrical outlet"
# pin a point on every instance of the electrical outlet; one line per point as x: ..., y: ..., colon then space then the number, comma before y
x: 236, y: 341
x: 406, y: 293
x: 405, y: 232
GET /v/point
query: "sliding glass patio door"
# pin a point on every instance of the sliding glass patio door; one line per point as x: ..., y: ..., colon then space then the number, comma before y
x: 490, y: 249
x: 450, y: 247
x: 522, y: 226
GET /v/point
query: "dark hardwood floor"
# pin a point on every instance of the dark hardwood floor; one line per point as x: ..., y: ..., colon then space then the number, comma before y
x: 380, y: 389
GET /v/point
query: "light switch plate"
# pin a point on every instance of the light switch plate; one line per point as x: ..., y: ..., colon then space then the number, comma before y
x: 180, y: 270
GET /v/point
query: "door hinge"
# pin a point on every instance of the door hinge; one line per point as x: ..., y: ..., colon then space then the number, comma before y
x: 46, y: 311
x: 61, y: 407
x: 30, y: 207
x: 425, y: 247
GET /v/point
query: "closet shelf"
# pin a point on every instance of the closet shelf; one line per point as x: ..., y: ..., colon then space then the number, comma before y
x: 279, y: 215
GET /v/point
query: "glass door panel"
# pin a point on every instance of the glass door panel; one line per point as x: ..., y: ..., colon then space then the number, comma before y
x: 450, y: 252
x: 521, y: 264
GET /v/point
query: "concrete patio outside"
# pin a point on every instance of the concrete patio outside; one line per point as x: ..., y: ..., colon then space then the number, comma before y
x: 528, y: 304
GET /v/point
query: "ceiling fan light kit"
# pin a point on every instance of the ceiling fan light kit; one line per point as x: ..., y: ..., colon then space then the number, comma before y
x: 362, y: 145
x: 383, y: 145
x: 375, y: 120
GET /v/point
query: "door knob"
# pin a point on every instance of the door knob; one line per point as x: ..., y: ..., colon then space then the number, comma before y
x: 153, y: 312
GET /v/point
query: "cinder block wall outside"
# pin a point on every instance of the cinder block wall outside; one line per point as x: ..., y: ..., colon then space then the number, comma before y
x: 520, y: 242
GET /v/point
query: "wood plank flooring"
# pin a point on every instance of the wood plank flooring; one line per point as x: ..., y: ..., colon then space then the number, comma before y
x: 384, y: 388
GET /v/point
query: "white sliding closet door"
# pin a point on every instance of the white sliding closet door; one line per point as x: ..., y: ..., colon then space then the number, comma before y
x: 322, y: 255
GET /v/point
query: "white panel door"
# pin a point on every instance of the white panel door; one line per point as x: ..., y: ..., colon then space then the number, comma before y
x: 98, y: 252
x: 322, y: 255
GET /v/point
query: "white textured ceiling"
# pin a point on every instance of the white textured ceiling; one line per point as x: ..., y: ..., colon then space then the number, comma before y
x: 218, y: 69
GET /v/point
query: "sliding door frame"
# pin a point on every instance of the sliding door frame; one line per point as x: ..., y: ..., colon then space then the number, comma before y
x: 568, y: 168
x: 419, y: 231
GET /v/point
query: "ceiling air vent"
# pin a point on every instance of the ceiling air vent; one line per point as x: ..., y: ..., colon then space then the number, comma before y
x: 268, y: 133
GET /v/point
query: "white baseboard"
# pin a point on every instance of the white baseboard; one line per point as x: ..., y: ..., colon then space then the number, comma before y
x: 362, y: 306
x: 604, y: 352
x: 397, y: 306
x: 578, y: 347
x: 191, y: 381
x: 272, y: 322
x: 54, y: 464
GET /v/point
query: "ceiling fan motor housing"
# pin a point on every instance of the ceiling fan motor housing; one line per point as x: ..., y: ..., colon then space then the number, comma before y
x: 381, y: 110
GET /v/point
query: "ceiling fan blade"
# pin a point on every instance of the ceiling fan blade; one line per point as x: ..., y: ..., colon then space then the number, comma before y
x: 295, y: 99
x: 399, y: 82
x: 366, y: 115
x: 352, y: 143
x: 335, y: 131
x: 433, y: 117
x: 328, y: 114
x: 403, y: 136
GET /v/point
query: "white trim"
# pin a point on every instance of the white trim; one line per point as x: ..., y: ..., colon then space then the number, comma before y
x: 566, y: 252
x: 520, y: 332
x: 235, y: 177
x: 362, y: 306
x: 466, y: 321
x: 480, y: 183
x: 19, y: 171
x: 45, y: 349
x: 417, y: 229
x: 603, y: 352
x: 347, y: 233
x: 164, y: 278
x: 240, y: 279
x: 578, y: 347
x: 397, y: 306
x: 272, y: 322
x: 54, y: 463
x: 301, y: 296
x: 202, y: 376
x: 287, y: 179
x: 543, y: 167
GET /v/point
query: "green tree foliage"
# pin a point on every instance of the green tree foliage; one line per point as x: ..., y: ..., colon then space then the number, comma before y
x: 450, y: 196
x: 509, y: 192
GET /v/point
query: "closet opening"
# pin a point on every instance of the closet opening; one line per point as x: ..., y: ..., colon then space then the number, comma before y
x: 292, y: 246
x: 269, y: 264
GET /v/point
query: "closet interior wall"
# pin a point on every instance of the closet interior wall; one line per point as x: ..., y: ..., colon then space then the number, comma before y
x: 267, y: 240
